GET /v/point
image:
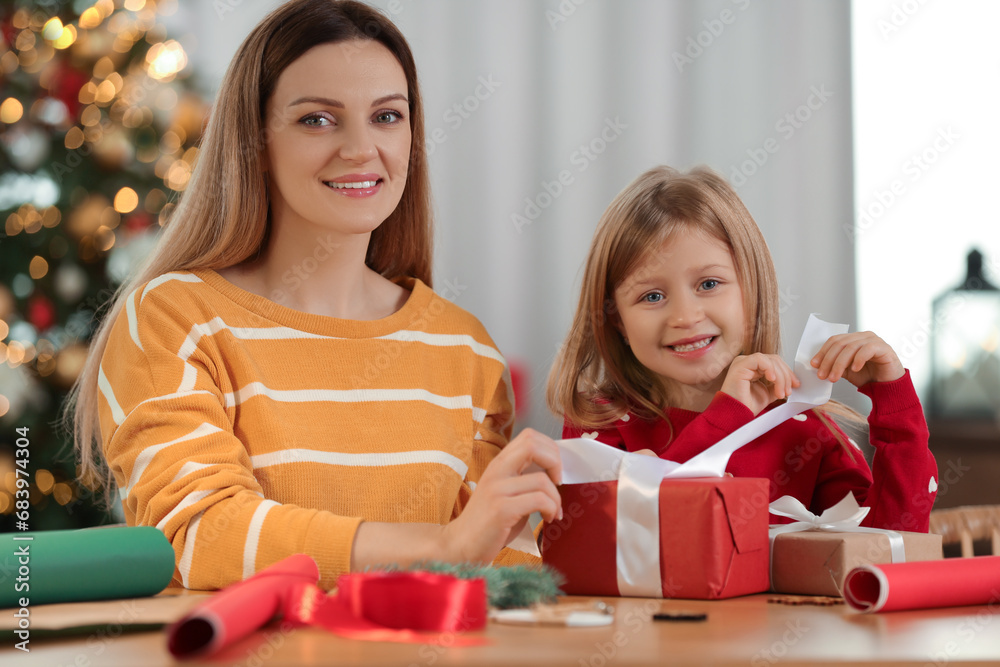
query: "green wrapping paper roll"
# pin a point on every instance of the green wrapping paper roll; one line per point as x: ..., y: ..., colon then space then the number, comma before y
x: 80, y: 565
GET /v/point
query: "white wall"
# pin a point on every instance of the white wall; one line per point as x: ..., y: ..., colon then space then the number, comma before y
x: 764, y: 98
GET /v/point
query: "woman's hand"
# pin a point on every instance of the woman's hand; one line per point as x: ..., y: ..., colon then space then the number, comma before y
x: 860, y: 357
x: 757, y: 380
x: 504, y: 497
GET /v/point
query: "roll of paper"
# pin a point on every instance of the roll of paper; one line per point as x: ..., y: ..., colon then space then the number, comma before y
x: 952, y: 582
x: 105, y: 563
x: 413, y: 607
x: 238, y: 610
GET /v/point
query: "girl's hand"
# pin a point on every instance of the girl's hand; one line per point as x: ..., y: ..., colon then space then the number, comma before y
x: 860, y: 357
x: 757, y: 380
x: 505, y: 496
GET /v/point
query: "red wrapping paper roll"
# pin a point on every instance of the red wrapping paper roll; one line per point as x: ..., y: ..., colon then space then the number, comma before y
x: 952, y: 582
x: 238, y: 610
x: 419, y: 607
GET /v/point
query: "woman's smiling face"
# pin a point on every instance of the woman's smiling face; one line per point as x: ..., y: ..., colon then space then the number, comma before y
x: 338, y: 139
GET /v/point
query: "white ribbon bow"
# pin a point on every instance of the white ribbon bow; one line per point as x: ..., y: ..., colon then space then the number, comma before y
x: 639, y: 477
x: 844, y: 517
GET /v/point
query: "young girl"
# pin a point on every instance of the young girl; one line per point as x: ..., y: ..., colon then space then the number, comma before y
x: 279, y: 377
x: 674, y: 346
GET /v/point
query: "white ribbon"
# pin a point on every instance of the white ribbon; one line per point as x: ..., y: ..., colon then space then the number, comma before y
x: 811, y: 393
x: 639, y: 476
x: 844, y: 517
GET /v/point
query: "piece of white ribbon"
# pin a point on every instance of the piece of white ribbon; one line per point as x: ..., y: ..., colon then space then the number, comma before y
x: 810, y: 393
x: 844, y: 517
x: 639, y: 476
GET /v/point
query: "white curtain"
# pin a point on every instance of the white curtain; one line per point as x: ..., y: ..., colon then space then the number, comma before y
x: 540, y: 111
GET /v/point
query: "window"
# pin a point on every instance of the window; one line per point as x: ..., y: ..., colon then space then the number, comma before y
x: 927, y: 161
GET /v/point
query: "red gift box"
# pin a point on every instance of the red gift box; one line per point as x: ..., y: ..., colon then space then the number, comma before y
x: 619, y: 509
x: 713, y: 538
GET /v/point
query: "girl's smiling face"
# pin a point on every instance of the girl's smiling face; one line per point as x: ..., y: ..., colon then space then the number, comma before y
x: 338, y: 139
x: 681, y: 312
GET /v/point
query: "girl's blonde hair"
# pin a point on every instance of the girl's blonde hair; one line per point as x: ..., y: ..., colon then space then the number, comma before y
x: 596, y: 378
x: 223, y: 217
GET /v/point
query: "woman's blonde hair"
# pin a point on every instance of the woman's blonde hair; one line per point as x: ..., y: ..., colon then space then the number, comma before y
x: 223, y: 217
x: 596, y: 378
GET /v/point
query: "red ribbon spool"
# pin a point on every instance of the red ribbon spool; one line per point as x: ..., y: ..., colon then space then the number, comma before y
x: 421, y: 601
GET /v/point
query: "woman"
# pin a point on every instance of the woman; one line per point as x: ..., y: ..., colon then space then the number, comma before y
x: 279, y: 377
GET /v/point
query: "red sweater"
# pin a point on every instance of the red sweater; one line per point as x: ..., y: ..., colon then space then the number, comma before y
x: 801, y: 456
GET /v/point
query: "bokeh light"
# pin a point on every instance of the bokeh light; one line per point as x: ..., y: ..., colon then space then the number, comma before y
x: 166, y: 59
x: 38, y: 267
x: 11, y: 110
x: 126, y: 200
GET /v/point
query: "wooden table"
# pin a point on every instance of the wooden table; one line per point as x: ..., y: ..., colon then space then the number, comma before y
x: 740, y: 631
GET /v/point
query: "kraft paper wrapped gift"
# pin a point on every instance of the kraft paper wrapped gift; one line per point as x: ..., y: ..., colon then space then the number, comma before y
x: 815, y: 554
x: 816, y: 563
x: 712, y: 540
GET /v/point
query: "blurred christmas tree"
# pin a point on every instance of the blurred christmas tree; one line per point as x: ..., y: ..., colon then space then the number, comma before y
x: 97, y: 128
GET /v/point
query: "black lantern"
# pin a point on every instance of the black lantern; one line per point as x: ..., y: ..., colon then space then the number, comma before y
x: 965, y: 380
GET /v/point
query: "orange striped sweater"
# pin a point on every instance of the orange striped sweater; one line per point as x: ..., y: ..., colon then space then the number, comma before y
x: 247, y: 431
